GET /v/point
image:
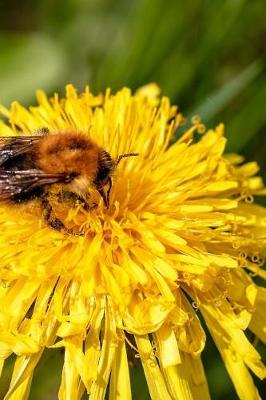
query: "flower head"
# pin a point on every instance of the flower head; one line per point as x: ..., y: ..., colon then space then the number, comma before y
x: 181, y: 234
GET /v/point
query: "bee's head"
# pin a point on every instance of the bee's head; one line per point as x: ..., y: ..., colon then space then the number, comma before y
x: 103, y: 176
x: 106, y: 165
x: 105, y: 168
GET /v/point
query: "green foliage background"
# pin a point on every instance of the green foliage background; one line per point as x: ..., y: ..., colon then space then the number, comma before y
x: 208, y: 56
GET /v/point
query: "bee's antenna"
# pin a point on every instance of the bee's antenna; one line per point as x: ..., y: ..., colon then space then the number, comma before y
x: 119, y: 158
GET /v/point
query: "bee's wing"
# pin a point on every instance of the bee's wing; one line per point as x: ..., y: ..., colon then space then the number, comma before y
x: 11, y: 146
x: 13, y: 183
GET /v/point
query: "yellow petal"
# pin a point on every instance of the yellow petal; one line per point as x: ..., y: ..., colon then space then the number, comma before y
x: 237, y: 370
x: 107, y: 355
x: 221, y: 186
x: 236, y: 351
x: 187, y: 380
x: 190, y: 336
x: 168, y: 347
x: 22, y: 376
x: 258, y: 321
x: 145, y: 316
x: 154, y: 378
x: 120, y: 379
x: 70, y: 379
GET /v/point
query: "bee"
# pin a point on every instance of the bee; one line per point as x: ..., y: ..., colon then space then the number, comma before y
x: 30, y: 165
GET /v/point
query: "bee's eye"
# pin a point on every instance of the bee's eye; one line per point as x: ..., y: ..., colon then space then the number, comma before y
x: 105, y: 167
x: 102, y: 176
x: 103, y: 173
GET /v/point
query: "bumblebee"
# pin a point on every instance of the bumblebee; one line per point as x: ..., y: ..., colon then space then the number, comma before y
x: 30, y: 165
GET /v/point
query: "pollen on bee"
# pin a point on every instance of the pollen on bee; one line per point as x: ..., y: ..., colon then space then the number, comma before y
x: 80, y: 185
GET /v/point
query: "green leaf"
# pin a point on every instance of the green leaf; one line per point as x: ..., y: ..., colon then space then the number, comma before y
x: 138, y: 383
x: 29, y: 63
x: 218, y: 100
x: 47, y: 377
x: 247, y: 122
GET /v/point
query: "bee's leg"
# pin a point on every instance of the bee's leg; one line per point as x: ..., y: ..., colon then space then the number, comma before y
x: 54, y: 222
x: 86, y: 206
x: 73, y: 197
x: 94, y: 206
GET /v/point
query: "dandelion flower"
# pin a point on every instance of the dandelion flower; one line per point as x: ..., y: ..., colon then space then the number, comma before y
x: 181, y: 235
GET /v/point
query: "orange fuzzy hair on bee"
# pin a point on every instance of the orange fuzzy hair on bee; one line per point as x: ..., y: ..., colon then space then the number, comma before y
x: 68, y: 152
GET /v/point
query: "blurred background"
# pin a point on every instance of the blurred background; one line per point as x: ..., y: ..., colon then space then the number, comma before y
x: 207, y: 56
